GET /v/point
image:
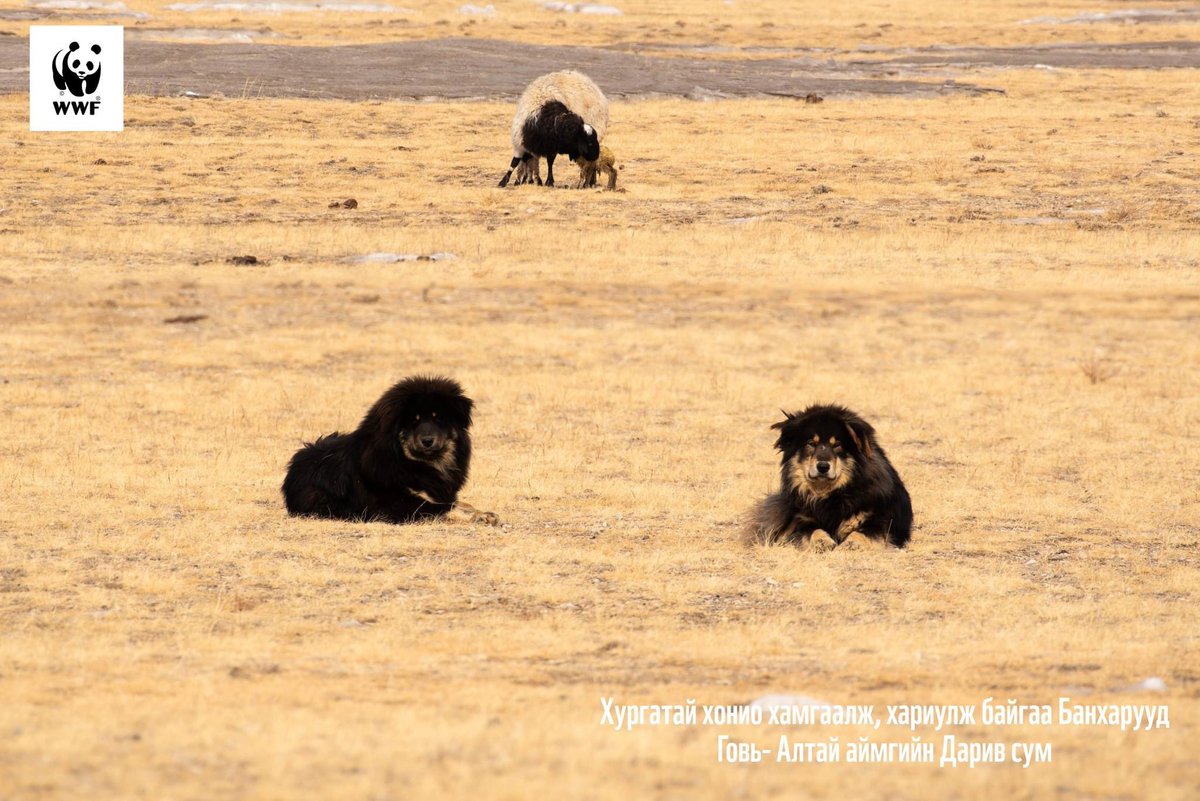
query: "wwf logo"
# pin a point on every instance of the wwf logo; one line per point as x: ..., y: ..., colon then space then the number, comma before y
x: 77, y: 70
x: 66, y: 92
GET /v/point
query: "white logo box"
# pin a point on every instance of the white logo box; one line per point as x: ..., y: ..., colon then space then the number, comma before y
x: 80, y: 89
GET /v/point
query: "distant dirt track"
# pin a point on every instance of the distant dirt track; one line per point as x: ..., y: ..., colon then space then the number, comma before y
x: 1141, y: 55
x: 481, y: 68
x: 462, y: 68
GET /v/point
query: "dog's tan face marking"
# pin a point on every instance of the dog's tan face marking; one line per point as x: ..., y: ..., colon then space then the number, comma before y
x: 820, y: 467
x: 444, y: 459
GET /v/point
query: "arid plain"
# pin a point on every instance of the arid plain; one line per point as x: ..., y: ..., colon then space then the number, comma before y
x: 1006, y: 284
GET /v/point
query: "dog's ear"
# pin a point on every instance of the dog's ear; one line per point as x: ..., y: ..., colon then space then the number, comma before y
x: 461, y: 407
x: 785, y: 435
x: 862, y: 433
x: 381, y: 437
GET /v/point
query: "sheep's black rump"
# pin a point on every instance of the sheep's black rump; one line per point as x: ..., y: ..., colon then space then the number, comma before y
x: 406, y: 461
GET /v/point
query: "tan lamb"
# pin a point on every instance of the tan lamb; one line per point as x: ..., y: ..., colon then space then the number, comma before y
x: 589, y: 170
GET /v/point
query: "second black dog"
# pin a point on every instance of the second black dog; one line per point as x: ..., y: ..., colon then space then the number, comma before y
x: 405, y: 462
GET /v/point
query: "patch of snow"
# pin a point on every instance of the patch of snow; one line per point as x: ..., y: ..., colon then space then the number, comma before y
x: 582, y: 8
x: 79, y: 5
x: 778, y: 700
x: 1154, y: 684
x: 283, y: 8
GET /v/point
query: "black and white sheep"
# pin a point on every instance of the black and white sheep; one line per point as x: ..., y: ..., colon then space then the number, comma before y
x: 562, y: 112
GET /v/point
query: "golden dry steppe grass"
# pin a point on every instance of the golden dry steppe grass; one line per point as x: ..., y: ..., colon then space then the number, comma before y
x: 713, y: 26
x: 1006, y: 286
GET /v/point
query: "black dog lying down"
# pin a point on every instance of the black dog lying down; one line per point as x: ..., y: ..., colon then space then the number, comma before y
x: 839, y: 489
x: 405, y: 462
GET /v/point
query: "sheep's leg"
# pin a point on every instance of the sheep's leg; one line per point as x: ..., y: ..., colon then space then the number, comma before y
x: 587, y: 174
x: 612, y: 178
x: 550, y: 170
x: 504, y: 181
x: 528, y: 172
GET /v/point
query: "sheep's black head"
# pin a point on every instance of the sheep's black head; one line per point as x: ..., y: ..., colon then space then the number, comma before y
x: 556, y: 129
x: 587, y: 144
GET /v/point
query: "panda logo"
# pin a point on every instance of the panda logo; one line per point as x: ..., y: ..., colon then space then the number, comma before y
x: 79, y: 71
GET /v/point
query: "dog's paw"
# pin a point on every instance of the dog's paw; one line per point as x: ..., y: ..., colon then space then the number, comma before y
x: 486, y: 518
x: 860, y: 542
x: 820, y: 542
x: 466, y: 513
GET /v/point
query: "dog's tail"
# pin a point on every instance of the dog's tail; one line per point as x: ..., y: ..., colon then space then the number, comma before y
x: 772, y: 522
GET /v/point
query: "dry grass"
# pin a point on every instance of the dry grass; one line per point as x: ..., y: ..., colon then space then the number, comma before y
x: 718, y: 29
x: 170, y: 633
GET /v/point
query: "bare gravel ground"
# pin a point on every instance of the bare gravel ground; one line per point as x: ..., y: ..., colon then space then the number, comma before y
x: 462, y: 68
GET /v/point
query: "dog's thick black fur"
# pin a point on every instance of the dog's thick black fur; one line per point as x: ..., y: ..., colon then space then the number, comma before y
x: 405, y: 462
x: 838, y: 487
